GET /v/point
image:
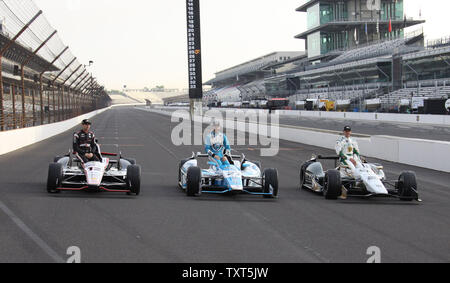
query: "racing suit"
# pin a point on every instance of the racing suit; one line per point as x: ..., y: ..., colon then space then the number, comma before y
x: 84, y: 143
x: 217, y: 145
x: 347, y: 148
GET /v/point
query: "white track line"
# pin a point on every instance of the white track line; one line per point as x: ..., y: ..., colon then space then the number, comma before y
x: 33, y: 236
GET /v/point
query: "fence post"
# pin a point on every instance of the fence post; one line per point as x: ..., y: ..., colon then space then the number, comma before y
x: 14, y: 105
x: 2, y: 114
x: 41, y: 99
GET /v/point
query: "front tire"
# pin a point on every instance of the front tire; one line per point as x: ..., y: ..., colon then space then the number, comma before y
x: 332, y: 187
x: 407, y: 186
x: 132, y: 161
x: 194, y: 179
x: 179, y: 172
x: 55, y: 177
x: 270, y: 185
x: 134, y: 179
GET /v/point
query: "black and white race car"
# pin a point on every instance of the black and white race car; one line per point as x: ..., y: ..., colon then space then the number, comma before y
x: 363, y: 180
x: 69, y: 173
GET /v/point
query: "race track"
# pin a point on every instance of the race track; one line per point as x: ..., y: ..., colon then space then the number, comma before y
x: 163, y: 225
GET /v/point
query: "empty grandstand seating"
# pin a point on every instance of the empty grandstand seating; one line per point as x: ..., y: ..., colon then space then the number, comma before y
x: 384, y: 48
x: 120, y: 99
x: 229, y: 94
x: 392, y: 99
x: 253, y: 90
x: 352, y: 93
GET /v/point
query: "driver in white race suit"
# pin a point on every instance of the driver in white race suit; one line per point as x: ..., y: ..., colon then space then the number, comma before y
x: 348, y: 151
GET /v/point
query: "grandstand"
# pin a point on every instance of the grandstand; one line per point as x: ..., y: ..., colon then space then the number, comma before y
x: 360, y: 58
x: 156, y: 97
x: 246, y: 81
x: 41, y: 81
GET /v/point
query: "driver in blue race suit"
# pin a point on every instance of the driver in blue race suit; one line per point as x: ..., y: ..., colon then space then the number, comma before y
x: 217, y: 145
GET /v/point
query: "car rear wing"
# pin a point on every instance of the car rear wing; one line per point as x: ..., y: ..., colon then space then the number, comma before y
x: 321, y: 157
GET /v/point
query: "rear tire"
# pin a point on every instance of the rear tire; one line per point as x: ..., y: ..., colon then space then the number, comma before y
x: 134, y: 179
x: 270, y: 183
x: 194, y: 179
x: 332, y: 187
x: 407, y: 186
x: 55, y: 177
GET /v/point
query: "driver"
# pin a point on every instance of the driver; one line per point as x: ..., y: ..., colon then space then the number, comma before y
x: 347, y: 148
x: 84, y: 145
x: 348, y: 151
x: 217, y: 145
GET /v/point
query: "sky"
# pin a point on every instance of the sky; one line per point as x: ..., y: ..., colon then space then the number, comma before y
x: 142, y: 43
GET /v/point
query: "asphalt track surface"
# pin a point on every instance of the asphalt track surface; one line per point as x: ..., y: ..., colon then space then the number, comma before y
x: 374, y: 128
x: 371, y: 128
x: 164, y: 225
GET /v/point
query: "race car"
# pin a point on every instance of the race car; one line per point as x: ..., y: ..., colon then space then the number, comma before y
x: 69, y: 173
x: 364, y: 180
x: 240, y: 177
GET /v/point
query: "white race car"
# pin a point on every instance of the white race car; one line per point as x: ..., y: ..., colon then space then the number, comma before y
x: 240, y: 177
x: 363, y: 180
x: 69, y: 173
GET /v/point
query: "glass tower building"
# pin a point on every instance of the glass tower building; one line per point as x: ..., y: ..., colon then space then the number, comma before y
x: 336, y: 25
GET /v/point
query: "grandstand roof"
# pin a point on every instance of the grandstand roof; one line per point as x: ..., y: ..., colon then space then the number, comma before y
x: 257, y: 65
x: 387, y: 47
x: 292, y: 60
x: 342, y: 66
x: 338, y: 26
x: 17, y: 53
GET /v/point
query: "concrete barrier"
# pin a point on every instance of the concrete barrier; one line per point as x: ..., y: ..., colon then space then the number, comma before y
x: 416, y: 152
x: 20, y: 138
x: 361, y: 116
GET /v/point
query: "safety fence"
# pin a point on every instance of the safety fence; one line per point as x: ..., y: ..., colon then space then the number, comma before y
x: 41, y: 81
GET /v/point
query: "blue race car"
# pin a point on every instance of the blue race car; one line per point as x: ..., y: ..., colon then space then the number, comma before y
x: 239, y: 177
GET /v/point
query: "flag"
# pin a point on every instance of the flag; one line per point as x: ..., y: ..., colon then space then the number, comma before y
x: 366, y: 29
x: 378, y: 26
x: 390, y: 25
